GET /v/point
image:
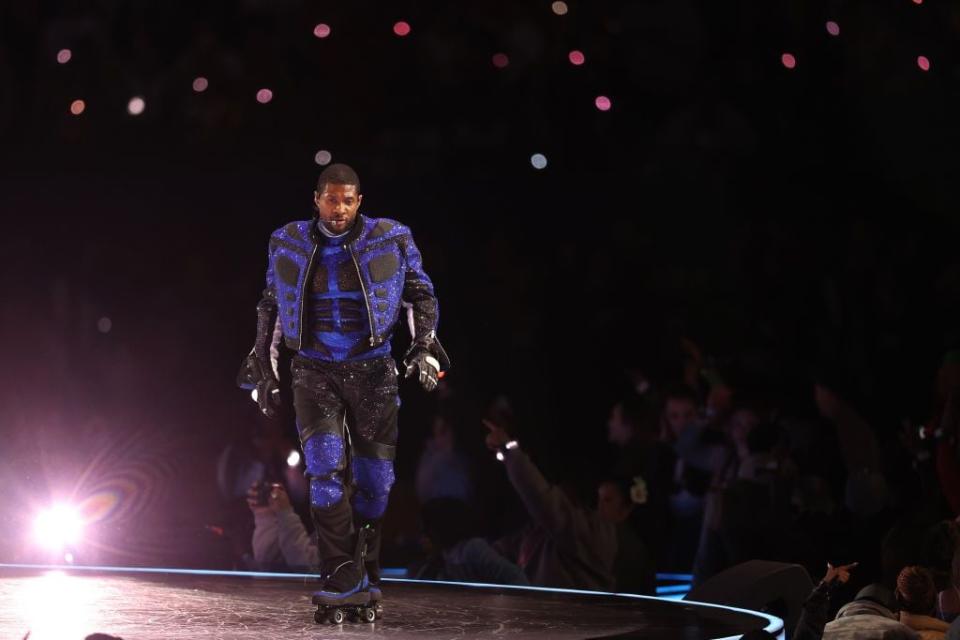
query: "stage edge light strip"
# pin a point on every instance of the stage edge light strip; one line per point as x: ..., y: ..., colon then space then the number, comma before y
x: 774, y: 624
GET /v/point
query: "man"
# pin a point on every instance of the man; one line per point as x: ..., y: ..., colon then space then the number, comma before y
x: 336, y: 285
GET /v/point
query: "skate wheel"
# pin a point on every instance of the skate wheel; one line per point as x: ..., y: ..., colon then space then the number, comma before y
x: 378, y: 610
x: 336, y: 616
x: 368, y: 614
x: 318, y: 616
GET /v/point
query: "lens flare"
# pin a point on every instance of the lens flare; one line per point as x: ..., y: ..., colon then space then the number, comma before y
x: 58, y: 527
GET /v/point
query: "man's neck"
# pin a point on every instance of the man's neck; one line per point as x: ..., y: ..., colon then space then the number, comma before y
x: 331, y: 235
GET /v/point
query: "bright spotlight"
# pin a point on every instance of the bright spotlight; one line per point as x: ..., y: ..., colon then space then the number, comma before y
x: 58, y: 527
x: 293, y: 459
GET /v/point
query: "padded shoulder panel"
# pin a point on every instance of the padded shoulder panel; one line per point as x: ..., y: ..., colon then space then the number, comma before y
x: 385, y: 227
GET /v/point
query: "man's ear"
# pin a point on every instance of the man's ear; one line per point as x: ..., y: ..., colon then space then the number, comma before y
x: 359, y: 199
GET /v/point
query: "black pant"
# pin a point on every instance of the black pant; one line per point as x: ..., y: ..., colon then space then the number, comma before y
x: 347, y: 420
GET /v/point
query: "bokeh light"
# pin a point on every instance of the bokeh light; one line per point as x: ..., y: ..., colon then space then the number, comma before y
x: 833, y: 28
x: 264, y: 96
x: 500, y: 60
x: 924, y: 63
x: 559, y: 7
x: 293, y: 459
x: 321, y: 30
x: 323, y: 157
x: 788, y: 60
x: 104, y: 324
x: 136, y: 106
x: 401, y: 28
x: 603, y: 103
x: 576, y: 57
x: 539, y: 161
x: 64, y: 55
x: 200, y: 84
x: 77, y: 107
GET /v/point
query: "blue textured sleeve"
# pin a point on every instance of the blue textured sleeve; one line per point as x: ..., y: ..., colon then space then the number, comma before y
x: 418, y: 291
x: 265, y: 345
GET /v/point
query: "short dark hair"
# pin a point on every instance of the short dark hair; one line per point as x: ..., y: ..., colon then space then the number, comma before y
x: 338, y: 174
x: 681, y: 391
x: 639, y: 413
x: 916, y: 592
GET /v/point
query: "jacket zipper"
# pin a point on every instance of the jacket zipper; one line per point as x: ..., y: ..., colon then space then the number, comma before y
x: 366, y: 300
x: 303, y: 295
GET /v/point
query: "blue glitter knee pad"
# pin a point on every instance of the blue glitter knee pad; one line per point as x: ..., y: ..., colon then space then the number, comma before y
x: 324, y: 457
x: 373, y: 478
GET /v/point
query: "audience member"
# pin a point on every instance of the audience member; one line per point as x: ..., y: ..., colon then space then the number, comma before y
x: 456, y: 553
x: 280, y: 539
x: 566, y: 544
x: 443, y: 470
x: 814, y: 616
x: 869, y: 616
x: 917, y: 597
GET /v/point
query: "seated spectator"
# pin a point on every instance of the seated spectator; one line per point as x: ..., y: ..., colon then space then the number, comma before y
x: 917, y: 596
x: 948, y: 600
x: 700, y: 452
x: 620, y: 501
x: 566, y: 543
x: 280, y: 539
x: 443, y: 470
x: 754, y: 508
x: 813, y: 618
x: 457, y: 553
x: 632, y: 429
x: 869, y: 615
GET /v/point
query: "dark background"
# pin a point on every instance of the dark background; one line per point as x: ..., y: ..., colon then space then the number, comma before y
x: 799, y: 223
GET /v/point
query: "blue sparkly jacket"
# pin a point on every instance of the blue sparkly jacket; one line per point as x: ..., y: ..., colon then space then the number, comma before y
x: 391, y: 277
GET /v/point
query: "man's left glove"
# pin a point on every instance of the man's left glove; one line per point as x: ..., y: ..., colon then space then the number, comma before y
x: 428, y: 368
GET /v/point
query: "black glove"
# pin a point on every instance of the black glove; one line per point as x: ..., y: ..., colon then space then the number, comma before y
x: 257, y: 376
x: 420, y: 360
x: 267, y: 395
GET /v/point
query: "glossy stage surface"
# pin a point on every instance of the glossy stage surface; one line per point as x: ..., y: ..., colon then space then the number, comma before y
x: 145, y: 604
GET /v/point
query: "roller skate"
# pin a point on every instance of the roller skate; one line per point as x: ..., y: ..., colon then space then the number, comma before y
x: 347, y: 594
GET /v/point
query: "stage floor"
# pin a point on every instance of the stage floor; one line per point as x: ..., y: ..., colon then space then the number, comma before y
x: 139, y: 605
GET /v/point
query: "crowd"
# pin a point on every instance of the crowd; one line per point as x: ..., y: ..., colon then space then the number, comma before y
x: 703, y: 473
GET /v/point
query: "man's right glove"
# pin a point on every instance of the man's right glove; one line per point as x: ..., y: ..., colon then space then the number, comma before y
x: 267, y: 396
x: 260, y: 379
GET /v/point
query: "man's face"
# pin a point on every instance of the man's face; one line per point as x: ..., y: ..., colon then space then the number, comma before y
x: 681, y: 413
x: 619, y: 432
x: 338, y: 206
